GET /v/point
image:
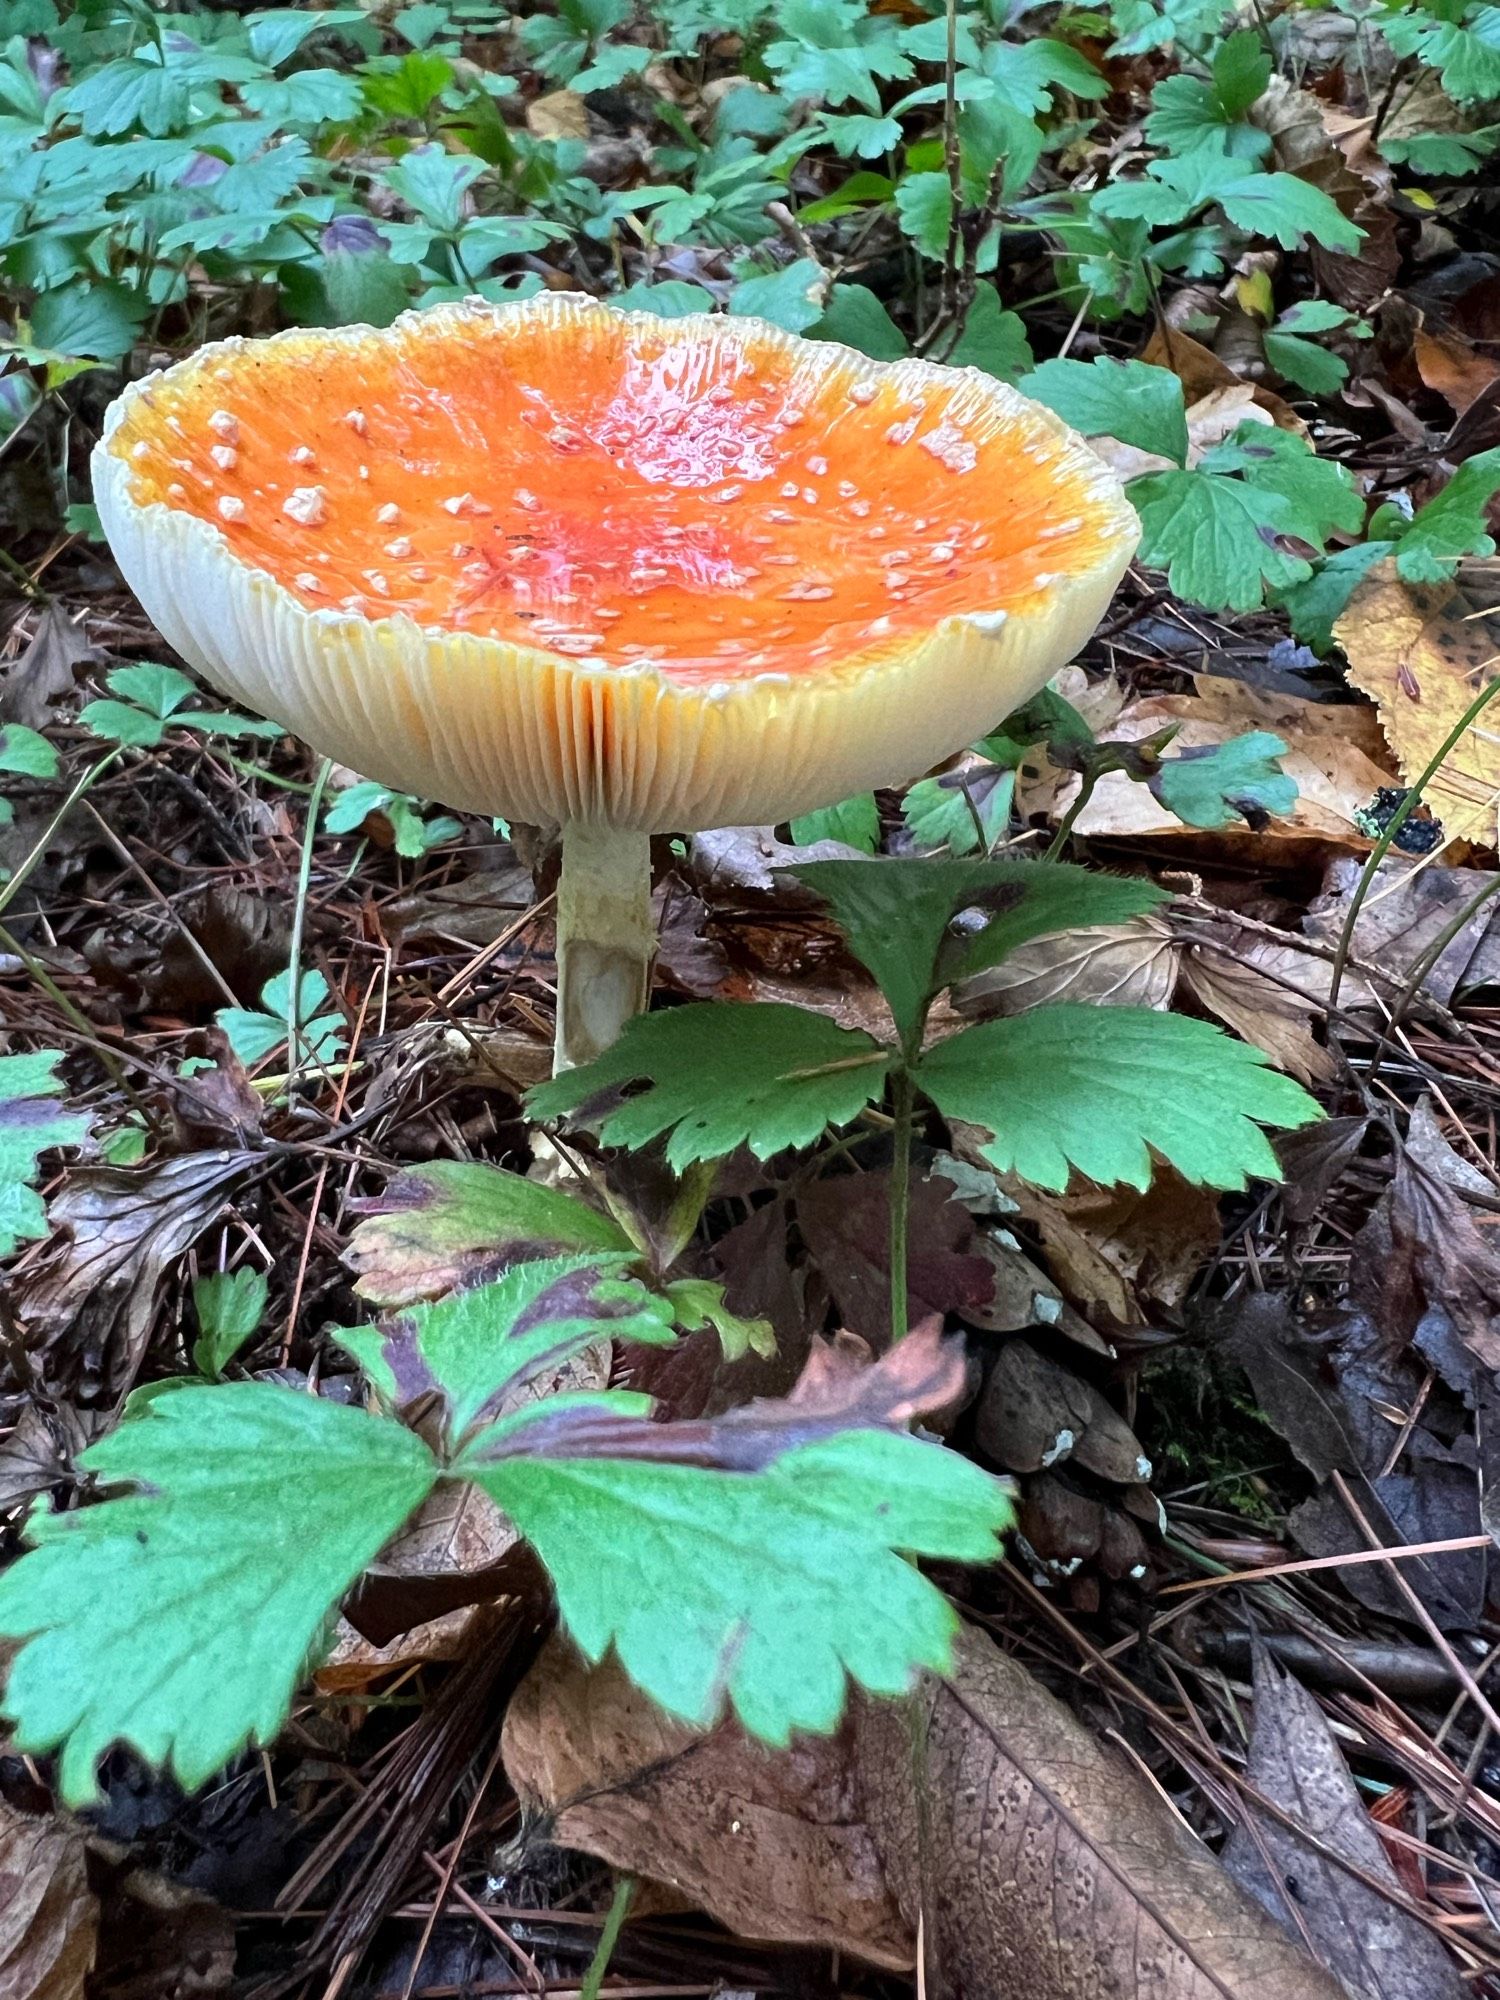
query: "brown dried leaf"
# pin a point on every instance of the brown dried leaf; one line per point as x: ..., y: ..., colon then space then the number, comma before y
x: 49, y: 1917
x: 44, y: 672
x: 1202, y: 374
x: 1041, y: 1864
x: 91, y: 1302
x: 1033, y: 1413
x: 845, y: 1221
x: 1452, y: 1263
x: 1422, y: 653
x: 771, y: 1845
x: 1118, y: 1252
x: 1379, y: 1951
x: 1110, y: 965
x: 1407, y: 906
x: 1258, y: 1009
x: 1451, y: 366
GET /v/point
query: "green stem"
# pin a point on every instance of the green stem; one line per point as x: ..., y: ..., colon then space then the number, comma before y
x: 1398, y: 819
x: 605, y: 939
x: 609, y: 1937
x: 1064, y: 831
x: 901, y: 1135
x: 294, y: 1036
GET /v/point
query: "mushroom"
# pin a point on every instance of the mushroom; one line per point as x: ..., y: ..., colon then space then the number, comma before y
x: 650, y: 575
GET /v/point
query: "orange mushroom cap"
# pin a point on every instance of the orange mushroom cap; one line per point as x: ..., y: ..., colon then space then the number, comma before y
x: 560, y: 562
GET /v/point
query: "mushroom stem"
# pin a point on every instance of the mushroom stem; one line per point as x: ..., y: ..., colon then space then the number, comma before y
x: 605, y: 938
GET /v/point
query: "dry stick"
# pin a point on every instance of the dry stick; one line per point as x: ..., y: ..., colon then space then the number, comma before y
x: 446, y: 1873
x: 1465, y: 1678
x: 1398, y: 819
x: 1349, y: 1561
x: 156, y: 895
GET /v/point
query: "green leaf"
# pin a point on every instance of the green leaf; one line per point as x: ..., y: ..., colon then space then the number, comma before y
x: 476, y: 1347
x: 855, y: 822
x: 230, y: 1306
x: 763, y: 1570
x: 1465, y: 52
x: 1453, y: 524
x: 856, y: 317
x: 724, y: 1075
x: 1321, y: 496
x: 160, y: 690
x: 121, y: 722
x: 992, y: 339
x: 1288, y: 211
x: 698, y: 1302
x: 177, y: 1619
x: 433, y: 183
x: 1442, y: 155
x: 31, y: 1123
x: 94, y: 320
x: 896, y: 916
x: 255, y: 1033
x: 1305, y: 364
x: 790, y: 298
x: 671, y: 299
x: 25, y: 752
x: 1128, y: 400
x: 924, y: 204
x: 1216, y: 538
x: 1222, y: 781
x: 452, y: 1222
x: 1099, y: 1089
x: 941, y: 812
x: 1189, y: 113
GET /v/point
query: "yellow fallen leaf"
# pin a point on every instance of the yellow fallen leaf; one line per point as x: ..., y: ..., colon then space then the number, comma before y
x: 1422, y: 653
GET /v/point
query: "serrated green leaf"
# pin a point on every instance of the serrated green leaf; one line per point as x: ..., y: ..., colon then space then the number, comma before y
x: 1452, y: 525
x: 855, y: 822
x: 122, y: 722
x: 791, y: 298
x: 159, y: 690
x: 255, y: 1033
x: 1305, y: 364
x: 896, y: 916
x: 25, y: 752
x: 1099, y: 1089
x: 1128, y: 400
x: 230, y: 1306
x: 794, y: 1584
x: 1223, y: 781
x: 723, y: 1075
x: 95, y: 320
x: 992, y: 339
x: 1289, y: 211
x: 177, y: 1619
x: 477, y: 1346
x: 941, y: 812
x: 1216, y: 538
x: 855, y: 316
x: 1321, y: 496
x: 924, y: 203
x: 1465, y: 52
x: 1442, y: 155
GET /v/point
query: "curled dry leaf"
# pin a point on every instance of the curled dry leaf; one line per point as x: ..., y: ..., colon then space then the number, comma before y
x: 1422, y: 653
x: 1044, y: 1865
x: 845, y: 1222
x: 1380, y: 1951
x: 773, y: 1846
x: 49, y: 1917
x: 1260, y: 1010
x: 1407, y: 907
x: 1203, y: 375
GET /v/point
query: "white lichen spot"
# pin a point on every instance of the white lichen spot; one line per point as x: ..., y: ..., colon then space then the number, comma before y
x: 306, y: 505
x: 224, y: 426
x: 1048, y: 1311
x: 897, y: 579
x: 462, y: 503
x: 230, y: 506
x: 177, y: 491
x: 303, y: 454
x: 355, y: 419
x: 902, y: 433
x: 818, y: 467
x: 862, y: 393
x: 400, y: 548
x: 1137, y: 1571
x: 140, y: 449
x: 847, y: 489
x: 376, y: 582
x: 810, y: 495
x: 943, y: 552
x: 224, y: 456
x: 879, y: 627
x: 1143, y: 1467
x: 860, y: 509
x: 308, y: 583
x: 364, y: 472
x: 789, y: 489
x: 388, y: 515
x: 526, y: 501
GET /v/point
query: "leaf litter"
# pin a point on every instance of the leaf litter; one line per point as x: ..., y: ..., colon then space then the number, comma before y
x: 1195, y: 1397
